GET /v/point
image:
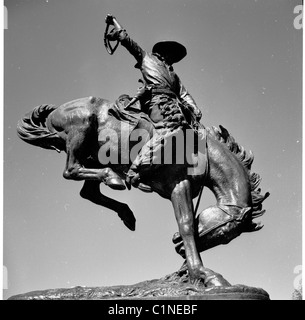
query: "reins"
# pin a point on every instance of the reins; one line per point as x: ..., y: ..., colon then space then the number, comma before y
x: 205, y: 174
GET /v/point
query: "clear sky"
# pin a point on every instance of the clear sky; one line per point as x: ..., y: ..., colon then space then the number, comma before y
x: 243, y: 68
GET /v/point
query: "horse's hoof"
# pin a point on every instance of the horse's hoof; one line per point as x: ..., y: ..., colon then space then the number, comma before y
x: 115, y: 183
x: 130, y: 224
x: 128, y: 218
x: 214, y: 279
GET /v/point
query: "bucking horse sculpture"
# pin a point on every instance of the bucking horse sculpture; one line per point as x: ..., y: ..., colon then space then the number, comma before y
x: 89, y: 129
x: 102, y: 139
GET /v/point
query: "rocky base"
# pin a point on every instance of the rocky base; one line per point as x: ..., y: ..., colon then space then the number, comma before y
x: 171, y: 287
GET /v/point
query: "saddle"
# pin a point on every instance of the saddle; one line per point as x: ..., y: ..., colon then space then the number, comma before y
x: 133, y: 115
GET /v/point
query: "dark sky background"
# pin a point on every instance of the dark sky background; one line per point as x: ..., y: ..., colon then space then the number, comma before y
x: 243, y: 68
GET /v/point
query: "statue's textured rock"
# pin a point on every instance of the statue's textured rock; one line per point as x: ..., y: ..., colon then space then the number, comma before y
x: 169, y: 287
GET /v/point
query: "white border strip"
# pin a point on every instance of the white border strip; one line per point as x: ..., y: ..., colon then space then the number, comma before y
x: 1, y: 149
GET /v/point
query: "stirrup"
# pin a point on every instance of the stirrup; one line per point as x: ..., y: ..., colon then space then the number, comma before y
x: 134, y: 180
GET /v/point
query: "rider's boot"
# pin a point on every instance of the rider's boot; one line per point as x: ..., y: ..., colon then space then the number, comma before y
x: 114, y: 181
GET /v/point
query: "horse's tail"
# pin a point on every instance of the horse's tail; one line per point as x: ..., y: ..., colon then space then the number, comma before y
x: 32, y: 129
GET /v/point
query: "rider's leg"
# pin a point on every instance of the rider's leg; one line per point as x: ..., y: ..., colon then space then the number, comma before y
x: 142, y: 163
x: 149, y: 157
x: 134, y: 177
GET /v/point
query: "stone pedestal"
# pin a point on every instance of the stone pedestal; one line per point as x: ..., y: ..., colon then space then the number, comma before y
x: 167, y: 288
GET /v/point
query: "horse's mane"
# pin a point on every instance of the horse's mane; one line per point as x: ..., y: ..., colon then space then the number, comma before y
x: 246, y: 158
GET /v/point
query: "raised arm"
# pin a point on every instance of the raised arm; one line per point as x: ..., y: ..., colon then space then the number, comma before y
x: 120, y: 34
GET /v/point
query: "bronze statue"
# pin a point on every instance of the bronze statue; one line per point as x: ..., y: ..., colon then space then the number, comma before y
x: 88, y: 129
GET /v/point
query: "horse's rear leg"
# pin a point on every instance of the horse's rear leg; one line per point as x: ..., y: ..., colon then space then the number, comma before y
x: 79, y: 144
x: 183, y: 207
x: 220, y: 235
x: 91, y: 191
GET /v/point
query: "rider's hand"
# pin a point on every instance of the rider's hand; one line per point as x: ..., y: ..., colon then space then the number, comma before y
x: 115, y: 35
x: 109, y: 19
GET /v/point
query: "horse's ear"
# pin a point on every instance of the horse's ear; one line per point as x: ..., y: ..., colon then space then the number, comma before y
x: 224, y: 131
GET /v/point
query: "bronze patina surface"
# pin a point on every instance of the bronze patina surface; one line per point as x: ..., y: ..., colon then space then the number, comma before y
x: 171, y: 287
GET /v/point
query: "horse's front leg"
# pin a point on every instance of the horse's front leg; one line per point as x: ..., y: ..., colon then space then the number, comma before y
x: 79, y: 146
x: 105, y: 175
x: 182, y: 202
x: 91, y: 191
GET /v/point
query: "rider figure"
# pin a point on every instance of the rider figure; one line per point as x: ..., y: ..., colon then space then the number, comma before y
x: 169, y: 101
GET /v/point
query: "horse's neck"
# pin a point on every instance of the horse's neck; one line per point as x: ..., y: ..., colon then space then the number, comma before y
x: 228, y: 179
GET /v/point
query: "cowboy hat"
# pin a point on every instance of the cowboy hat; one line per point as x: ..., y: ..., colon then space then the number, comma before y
x: 175, y: 50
